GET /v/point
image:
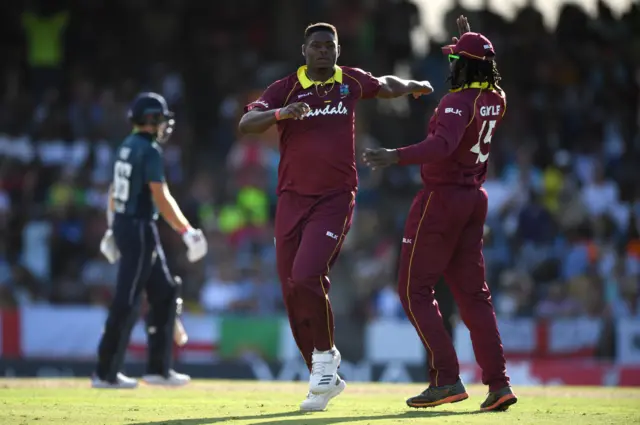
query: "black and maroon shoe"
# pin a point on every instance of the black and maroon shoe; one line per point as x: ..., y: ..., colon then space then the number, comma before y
x: 435, y: 396
x: 499, y: 401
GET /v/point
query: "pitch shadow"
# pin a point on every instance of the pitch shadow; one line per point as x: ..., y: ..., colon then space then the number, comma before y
x: 302, y: 418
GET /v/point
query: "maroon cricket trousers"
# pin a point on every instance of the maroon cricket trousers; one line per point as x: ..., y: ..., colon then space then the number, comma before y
x: 309, y: 232
x: 443, y: 237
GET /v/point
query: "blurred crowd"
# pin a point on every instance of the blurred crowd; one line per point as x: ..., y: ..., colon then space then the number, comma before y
x: 563, y: 230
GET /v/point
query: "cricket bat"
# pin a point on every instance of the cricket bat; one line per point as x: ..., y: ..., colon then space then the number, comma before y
x: 180, y: 336
x: 179, y: 333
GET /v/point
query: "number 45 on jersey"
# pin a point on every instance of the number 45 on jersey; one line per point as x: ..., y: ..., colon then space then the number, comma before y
x: 487, y: 131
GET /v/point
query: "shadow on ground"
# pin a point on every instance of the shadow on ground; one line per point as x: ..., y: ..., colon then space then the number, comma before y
x: 296, y: 417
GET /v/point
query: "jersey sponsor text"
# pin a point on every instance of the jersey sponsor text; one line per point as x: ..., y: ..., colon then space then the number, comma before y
x: 340, y: 109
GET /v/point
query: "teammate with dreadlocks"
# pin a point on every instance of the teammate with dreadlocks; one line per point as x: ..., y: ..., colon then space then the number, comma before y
x: 443, y: 233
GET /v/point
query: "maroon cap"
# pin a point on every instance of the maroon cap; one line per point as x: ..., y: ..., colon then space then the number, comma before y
x: 472, y: 45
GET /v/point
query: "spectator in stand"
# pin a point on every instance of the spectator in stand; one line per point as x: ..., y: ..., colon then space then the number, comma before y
x: 600, y: 195
x: 516, y: 289
x: 558, y: 303
x: 44, y: 28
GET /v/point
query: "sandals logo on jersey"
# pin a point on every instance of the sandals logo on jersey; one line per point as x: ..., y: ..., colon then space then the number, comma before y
x: 329, y: 110
x: 344, y: 90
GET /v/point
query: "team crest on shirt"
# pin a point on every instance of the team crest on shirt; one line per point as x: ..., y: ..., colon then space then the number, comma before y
x: 344, y: 90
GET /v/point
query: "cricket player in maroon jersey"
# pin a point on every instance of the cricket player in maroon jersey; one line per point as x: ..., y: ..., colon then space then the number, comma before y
x: 314, y: 109
x: 443, y: 232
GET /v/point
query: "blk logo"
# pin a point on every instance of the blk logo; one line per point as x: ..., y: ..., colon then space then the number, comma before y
x: 453, y: 111
x: 332, y: 235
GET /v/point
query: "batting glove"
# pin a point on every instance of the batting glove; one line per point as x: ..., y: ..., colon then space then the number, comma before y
x: 196, y: 244
x: 109, y: 248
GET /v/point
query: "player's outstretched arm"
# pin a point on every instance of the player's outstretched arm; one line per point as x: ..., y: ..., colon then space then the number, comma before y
x: 171, y: 212
x: 392, y: 87
x: 435, y: 147
x: 452, y: 121
x: 258, y: 121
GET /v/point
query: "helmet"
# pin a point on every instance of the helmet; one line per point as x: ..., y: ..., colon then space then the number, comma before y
x: 151, y: 108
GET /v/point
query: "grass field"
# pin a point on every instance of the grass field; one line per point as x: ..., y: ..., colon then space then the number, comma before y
x: 70, y: 402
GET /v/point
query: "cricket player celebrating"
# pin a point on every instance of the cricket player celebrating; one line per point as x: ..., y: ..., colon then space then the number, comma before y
x: 314, y: 111
x: 138, y: 191
x: 444, y: 229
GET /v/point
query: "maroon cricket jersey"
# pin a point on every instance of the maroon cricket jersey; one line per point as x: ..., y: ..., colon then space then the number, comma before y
x: 458, y: 143
x: 317, y: 153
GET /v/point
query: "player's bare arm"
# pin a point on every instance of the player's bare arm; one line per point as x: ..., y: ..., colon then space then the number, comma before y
x: 111, y: 207
x: 108, y: 245
x: 258, y: 121
x: 168, y: 207
x: 171, y: 212
x: 392, y: 87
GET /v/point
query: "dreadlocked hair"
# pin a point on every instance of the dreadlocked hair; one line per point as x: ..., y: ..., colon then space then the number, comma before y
x: 474, y: 71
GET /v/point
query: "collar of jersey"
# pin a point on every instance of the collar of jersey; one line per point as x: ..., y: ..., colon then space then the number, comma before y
x: 306, y: 82
x: 474, y: 85
x: 144, y: 134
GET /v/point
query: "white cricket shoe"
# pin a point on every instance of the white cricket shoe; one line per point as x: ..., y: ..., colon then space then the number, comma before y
x: 324, y: 371
x: 174, y: 379
x: 122, y: 382
x: 318, y: 402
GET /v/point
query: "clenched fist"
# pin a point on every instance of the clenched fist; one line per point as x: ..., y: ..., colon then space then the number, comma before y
x: 296, y: 111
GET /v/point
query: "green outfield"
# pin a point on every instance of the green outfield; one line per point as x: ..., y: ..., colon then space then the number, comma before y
x: 63, y: 401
